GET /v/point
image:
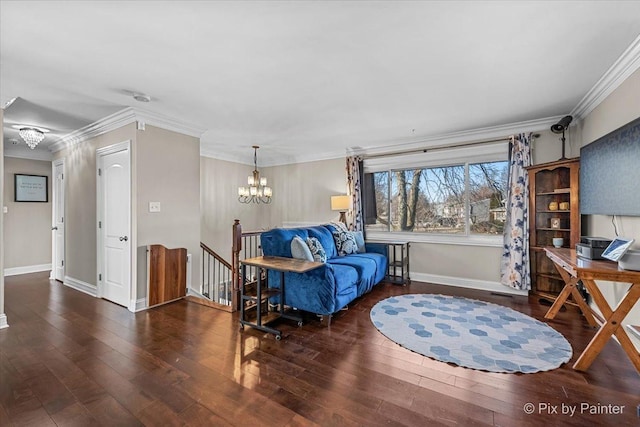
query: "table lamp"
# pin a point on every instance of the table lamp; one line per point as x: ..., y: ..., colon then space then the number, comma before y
x: 342, y: 204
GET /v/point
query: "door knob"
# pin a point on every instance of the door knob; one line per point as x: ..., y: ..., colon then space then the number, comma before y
x: 124, y: 238
x: 54, y: 228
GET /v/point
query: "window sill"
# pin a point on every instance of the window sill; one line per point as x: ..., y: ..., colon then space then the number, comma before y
x: 448, y: 239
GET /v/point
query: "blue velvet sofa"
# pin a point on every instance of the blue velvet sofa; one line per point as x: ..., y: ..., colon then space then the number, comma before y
x: 339, y: 281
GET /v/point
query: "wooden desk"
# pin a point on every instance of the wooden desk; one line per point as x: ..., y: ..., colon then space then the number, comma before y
x: 574, y: 269
x: 283, y: 265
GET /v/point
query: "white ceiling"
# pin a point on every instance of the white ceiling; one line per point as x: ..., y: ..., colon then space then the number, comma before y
x: 306, y: 79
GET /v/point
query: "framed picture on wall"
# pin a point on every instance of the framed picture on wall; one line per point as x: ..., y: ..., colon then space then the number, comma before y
x: 31, y: 188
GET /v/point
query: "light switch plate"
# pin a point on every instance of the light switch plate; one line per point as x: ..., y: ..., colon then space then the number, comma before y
x: 154, y: 206
x: 5, y: 209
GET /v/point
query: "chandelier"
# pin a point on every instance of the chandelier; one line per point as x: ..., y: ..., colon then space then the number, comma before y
x: 257, y: 191
x: 31, y: 136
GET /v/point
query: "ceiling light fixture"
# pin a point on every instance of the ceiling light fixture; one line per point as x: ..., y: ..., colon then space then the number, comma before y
x: 560, y: 127
x: 31, y: 136
x: 257, y: 191
x: 141, y: 97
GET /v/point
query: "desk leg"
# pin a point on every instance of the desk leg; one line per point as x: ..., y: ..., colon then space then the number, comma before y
x: 610, y: 327
x: 570, y: 288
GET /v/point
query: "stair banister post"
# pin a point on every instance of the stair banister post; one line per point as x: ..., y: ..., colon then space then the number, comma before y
x: 235, y: 262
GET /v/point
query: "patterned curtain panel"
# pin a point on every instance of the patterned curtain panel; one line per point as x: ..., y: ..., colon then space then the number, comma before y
x: 514, y: 269
x: 354, y: 186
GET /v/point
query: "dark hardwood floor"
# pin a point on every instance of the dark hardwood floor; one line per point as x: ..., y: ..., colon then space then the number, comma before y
x: 71, y: 359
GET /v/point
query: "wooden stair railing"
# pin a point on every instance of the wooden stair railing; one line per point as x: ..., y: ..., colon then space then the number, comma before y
x: 221, y: 280
x: 245, y: 245
x: 217, y: 279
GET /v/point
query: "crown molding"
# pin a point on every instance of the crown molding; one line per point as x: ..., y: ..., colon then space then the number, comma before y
x: 624, y: 66
x: 218, y: 155
x: 472, y: 135
x: 168, y: 123
x: 305, y: 158
x: 102, y: 126
x: 123, y: 118
x: 267, y: 161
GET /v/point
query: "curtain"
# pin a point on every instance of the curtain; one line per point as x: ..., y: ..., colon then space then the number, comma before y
x: 514, y: 269
x: 354, y: 188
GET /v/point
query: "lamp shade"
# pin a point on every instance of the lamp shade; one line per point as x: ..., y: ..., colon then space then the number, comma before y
x: 340, y: 203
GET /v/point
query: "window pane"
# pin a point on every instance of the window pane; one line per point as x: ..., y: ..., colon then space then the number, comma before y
x: 376, y: 201
x: 428, y: 200
x: 487, y: 195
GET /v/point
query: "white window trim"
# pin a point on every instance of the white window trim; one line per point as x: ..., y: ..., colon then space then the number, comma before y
x: 491, y: 241
x: 460, y: 156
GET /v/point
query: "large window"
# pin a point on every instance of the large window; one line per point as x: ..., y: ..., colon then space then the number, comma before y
x: 463, y: 199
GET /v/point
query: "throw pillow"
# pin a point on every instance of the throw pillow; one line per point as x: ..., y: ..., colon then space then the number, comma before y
x: 316, y: 249
x: 300, y: 250
x: 359, y: 241
x: 345, y: 240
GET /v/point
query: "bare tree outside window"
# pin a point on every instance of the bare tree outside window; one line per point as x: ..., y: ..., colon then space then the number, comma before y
x: 434, y: 200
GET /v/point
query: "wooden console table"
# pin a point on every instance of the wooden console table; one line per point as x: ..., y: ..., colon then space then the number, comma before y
x: 283, y: 265
x: 574, y: 269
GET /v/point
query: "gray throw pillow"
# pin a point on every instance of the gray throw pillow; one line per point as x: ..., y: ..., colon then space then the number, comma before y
x: 360, y: 241
x: 300, y: 250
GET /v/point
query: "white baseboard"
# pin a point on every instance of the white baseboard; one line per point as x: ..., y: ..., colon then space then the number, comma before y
x: 3, y: 321
x: 14, y: 271
x: 194, y: 293
x: 139, y: 305
x: 81, y: 286
x: 482, y: 285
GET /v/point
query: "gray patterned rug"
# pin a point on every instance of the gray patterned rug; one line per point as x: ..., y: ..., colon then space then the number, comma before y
x: 471, y: 333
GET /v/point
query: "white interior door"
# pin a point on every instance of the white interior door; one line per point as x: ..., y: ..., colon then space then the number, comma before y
x: 114, y: 223
x: 57, y: 228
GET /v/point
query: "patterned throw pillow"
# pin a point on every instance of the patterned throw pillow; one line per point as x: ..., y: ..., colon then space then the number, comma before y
x: 300, y: 249
x: 345, y: 240
x: 319, y: 255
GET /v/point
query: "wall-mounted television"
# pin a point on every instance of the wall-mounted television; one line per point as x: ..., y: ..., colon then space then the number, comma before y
x: 610, y: 173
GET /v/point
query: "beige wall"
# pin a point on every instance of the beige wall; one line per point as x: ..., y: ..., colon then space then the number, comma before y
x: 165, y: 169
x: 618, y: 109
x: 28, y: 225
x: 302, y: 191
x: 80, y: 202
x: 219, y: 181
x: 168, y: 171
x: 301, y: 194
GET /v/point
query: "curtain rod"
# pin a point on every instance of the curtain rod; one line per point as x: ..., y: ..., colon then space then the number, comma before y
x: 441, y: 147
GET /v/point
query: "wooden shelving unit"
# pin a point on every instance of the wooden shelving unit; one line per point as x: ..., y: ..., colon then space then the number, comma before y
x: 552, y: 183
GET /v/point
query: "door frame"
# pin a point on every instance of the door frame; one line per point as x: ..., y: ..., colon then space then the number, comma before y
x: 56, y: 196
x: 100, y: 153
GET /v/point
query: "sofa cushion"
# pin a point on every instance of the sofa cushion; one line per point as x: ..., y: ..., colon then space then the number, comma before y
x: 324, y: 236
x: 277, y: 241
x: 366, y: 268
x: 381, y: 263
x: 344, y: 239
x: 300, y: 249
x: 317, y: 251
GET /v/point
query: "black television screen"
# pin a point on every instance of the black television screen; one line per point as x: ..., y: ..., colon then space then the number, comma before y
x: 610, y: 173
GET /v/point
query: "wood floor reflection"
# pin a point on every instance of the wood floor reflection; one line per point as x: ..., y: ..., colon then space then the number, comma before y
x: 71, y: 359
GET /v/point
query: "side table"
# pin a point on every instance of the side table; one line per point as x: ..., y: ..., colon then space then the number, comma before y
x: 260, y: 300
x: 398, y: 260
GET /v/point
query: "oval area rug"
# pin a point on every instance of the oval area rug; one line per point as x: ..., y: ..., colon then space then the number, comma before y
x: 470, y: 333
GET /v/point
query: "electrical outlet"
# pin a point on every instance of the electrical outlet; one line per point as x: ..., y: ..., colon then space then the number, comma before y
x: 5, y: 209
x: 154, y: 206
